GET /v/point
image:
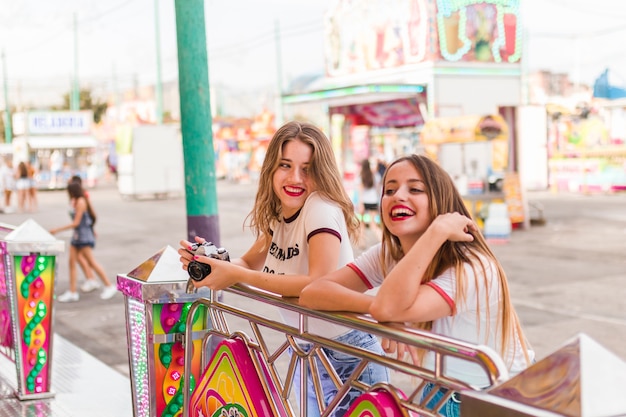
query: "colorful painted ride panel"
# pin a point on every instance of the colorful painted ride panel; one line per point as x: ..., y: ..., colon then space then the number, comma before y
x: 170, y: 357
x: 6, y: 331
x: 378, y: 402
x: 230, y: 385
x: 34, y: 278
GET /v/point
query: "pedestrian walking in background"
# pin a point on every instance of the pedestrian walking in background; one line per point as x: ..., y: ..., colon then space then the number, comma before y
x: 304, y: 221
x: 369, y: 195
x: 22, y: 184
x: 434, y: 269
x: 32, y: 187
x: 7, y: 177
x: 91, y: 283
x: 82, y: 243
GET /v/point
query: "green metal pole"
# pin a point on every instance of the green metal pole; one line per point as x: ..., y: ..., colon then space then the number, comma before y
x: 279, y: 76
x: 8, y: 132
x: 75, y: 102
x: 158, y: 86
x: 195, y: 118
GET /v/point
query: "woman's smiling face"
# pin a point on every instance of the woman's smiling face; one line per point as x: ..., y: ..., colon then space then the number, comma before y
x: 291, y: 181
x: 405, y: 205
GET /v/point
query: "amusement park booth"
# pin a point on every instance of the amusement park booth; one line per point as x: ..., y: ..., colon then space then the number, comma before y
x: 59, y: 144
x: 392, y: 67
x: 588, y: 151
x: 475, y: 151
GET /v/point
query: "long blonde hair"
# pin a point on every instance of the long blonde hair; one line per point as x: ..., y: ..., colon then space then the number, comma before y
x: 323, y: 171
x: 443, y: 198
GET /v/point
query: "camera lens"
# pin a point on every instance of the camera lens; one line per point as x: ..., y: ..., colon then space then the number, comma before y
x: 198, y: 271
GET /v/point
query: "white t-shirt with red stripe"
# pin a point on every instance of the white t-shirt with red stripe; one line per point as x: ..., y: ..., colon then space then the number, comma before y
x: 464, y: 323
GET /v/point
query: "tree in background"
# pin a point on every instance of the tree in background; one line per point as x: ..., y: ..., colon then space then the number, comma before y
x: 86, y: 103
x: 2, y: 116
x: 2, y: 132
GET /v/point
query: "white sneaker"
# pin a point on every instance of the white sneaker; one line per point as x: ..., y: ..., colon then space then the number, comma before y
x: 68, y: 297
x: 90, y: 285
x: 108, y: 292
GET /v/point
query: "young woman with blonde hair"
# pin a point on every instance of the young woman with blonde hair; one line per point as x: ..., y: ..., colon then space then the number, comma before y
x: 303, y: 220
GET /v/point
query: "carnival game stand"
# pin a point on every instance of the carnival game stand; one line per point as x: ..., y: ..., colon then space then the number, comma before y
x: 35, y: 379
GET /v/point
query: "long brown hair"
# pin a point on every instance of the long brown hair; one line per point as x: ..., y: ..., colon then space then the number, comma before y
x: 323, y: 171
x: 22, y: 169
x: 443, y: 197
x: 75, y: 191
x: 367, y: 176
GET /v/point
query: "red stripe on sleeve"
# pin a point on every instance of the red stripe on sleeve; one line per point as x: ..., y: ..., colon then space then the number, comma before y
x: 445, y: 296
x: 360, y: 274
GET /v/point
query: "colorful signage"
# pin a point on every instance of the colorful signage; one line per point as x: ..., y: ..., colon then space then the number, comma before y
x: 370, y: 35
x: 484, y: 31
x: 379, y: 402
x: 400, y: 112
x: 231, y: 386
x: 53, y: 123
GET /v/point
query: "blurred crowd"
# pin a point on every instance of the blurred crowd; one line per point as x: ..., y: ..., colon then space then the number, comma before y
x: 18, y: 186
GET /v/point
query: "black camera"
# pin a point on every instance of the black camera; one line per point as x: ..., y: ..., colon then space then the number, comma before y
x: 197, y: 270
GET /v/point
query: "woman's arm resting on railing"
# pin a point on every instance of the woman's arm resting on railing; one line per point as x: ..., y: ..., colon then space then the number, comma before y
x: 341, y: 290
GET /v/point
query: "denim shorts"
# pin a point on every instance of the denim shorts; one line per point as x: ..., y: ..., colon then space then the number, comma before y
x: 451, y: 408
x: 344, y: 365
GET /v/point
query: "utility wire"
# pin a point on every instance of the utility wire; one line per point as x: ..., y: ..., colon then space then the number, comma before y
x: 268, y: 36
x: 220, y: 53
x: 105, y: 13
x: 226, y: 52
x: 48, y: 38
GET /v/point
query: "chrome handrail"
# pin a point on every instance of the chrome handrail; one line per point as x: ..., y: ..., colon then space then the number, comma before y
x: 490, y: 361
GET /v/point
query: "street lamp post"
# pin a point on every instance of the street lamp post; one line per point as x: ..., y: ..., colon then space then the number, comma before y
x: 279, y: 76
x: 7, y: 111
x: 158, y: 86
x: 75, y: 101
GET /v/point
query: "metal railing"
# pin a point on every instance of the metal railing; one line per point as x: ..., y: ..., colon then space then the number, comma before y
x: 272, y: 339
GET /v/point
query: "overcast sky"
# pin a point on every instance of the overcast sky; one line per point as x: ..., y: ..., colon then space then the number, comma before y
x: 118, y: 37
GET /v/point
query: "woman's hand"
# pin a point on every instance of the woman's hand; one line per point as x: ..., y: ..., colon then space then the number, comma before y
x: 392, y: 347
x: 223, y: 274
x: 455, y: 227
x: 185, y: 251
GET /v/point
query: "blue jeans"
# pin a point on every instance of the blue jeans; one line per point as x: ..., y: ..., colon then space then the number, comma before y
x: 344, y: 365
x: 451, y: 408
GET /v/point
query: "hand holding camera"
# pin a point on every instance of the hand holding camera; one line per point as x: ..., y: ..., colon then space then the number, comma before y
x: 198, y: 270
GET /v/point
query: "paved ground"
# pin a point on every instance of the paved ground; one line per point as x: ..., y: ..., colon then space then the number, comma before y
x: 567, y: 276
